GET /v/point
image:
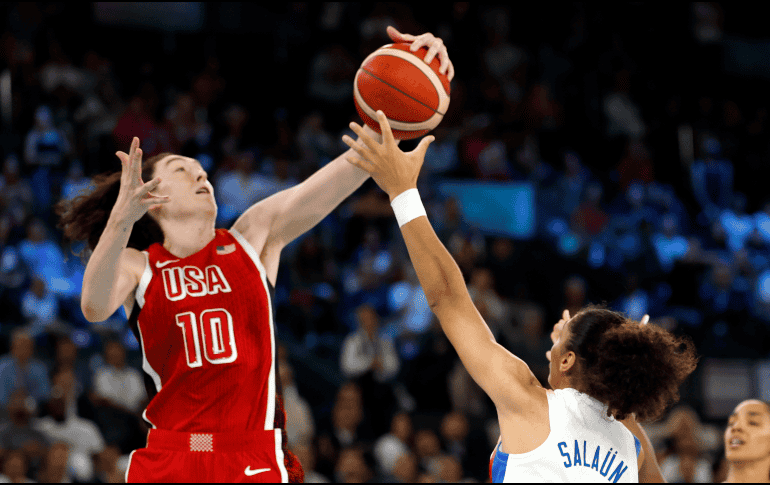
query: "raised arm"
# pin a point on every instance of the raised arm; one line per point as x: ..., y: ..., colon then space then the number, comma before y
x: 503, y: 376
x: 113, y: 269
x: 273, y: 223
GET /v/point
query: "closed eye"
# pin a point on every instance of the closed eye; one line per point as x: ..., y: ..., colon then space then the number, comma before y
x: 180, y: 168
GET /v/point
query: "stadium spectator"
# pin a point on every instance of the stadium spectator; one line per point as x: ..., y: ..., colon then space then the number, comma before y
x: 236, y: 117
x: 624, y: 117
x: 572, y: 182
x: 574, y: 294
x: 16, y: 197
x: 40, y: 308
x: 317, y: 147
x: 427, y: 447
x: 13, y: 275
x: 15, y: 468
x: 66, y: 358
x: 529, y: 342
x: 55, y: 467
x: 82, y: 437
x: 21, y: 371
x: 670, y: 245
x: 331, y: 77
x: 392, y: 446
x: 108, y: 467
x: 636, y: 165
x: 45, y: 149
x: 589, y: 219
x: 367, y: 274
x: 300, y: 426
x: 46, y: 260
x: 352, y: 467
x: 737, y: 224
x: 686, y: 463
x: 237, y: 189
x: 305, y: 453
x: 119, y: 396
x: 19, y: 434
x: 75, y: 182
x: 346, y: 426
x: 372, y: 362
x: 489, y: 304
x: 712, y: 180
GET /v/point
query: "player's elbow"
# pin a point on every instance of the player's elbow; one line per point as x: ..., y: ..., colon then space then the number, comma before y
x: 92, y: 312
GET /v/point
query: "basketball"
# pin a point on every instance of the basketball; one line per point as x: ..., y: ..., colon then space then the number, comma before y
x: 412, y: 94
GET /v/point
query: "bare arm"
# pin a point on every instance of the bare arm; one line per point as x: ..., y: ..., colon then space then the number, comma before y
x: 294, y: 211
x: 649, y: 470
x: 113, y: 270
x: 496, y: 370
x: 108, y: 278
x: 276, y: 221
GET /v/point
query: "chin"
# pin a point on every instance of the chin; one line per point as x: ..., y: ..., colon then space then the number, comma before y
x: 738, y: 455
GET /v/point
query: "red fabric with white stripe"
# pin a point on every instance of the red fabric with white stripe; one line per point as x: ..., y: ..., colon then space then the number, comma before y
x: 207, y: 335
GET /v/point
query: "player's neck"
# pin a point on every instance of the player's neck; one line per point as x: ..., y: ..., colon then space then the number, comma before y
x: 183, y: 237
x: 749, y: 472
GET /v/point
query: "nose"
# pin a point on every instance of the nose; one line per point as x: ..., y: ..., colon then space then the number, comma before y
x: 201, y: 176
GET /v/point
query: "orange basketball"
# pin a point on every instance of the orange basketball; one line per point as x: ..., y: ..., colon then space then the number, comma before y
x: 412, y: 94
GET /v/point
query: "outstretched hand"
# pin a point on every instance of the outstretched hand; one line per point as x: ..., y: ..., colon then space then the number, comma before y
x: 134, y: 197
x: 435, y: 45
x: 393, y: 170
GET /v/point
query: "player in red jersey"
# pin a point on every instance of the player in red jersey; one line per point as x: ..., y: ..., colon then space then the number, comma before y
x: 200, y: 302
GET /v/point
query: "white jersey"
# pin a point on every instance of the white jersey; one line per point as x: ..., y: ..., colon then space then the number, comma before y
x: 584, y: 445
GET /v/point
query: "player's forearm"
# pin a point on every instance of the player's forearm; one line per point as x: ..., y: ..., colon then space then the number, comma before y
x: 101, y: 274
x: 439, y: 275
x: 441, y: 280
x: 310, y: 202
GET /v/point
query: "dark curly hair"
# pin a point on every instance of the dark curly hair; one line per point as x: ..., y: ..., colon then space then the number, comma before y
x: 632, y: 368
x: 85, y: 217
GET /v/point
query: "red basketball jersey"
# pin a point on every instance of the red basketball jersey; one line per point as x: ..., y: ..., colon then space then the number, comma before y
x: 205, y: 324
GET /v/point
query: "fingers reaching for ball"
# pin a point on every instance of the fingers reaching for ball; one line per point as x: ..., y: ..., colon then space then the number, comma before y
x: 393, y: 170
x: 435, y: 46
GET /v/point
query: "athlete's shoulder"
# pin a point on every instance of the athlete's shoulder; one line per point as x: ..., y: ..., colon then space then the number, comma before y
x: 133, y: 261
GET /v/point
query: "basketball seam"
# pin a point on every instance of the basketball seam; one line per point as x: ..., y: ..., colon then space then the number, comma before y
x: 400, y: 91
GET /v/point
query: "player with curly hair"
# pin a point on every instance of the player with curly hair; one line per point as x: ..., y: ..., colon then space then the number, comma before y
x: 606, y: 371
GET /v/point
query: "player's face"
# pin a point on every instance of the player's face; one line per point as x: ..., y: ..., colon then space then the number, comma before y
x: 747, y: 437
x: 556, y: 379
x: 186, y: 184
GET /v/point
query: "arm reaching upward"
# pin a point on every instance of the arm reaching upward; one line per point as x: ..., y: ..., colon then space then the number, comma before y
x: 113, y: 269
x: 283, y: 217
x: 502, y: 375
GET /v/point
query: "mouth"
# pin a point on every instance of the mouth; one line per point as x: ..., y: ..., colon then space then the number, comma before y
x: 735, y: 442
x: 202, y: 190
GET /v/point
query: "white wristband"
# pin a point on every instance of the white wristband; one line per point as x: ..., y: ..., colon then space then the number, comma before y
x: 408, y: 206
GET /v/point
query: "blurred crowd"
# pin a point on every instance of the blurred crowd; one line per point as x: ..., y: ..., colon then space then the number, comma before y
x: 647, y: 160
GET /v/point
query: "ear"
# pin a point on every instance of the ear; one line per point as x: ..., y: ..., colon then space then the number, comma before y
x: 567, y: 361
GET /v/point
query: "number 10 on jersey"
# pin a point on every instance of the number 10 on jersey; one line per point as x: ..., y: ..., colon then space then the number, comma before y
x: 214, y: 333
